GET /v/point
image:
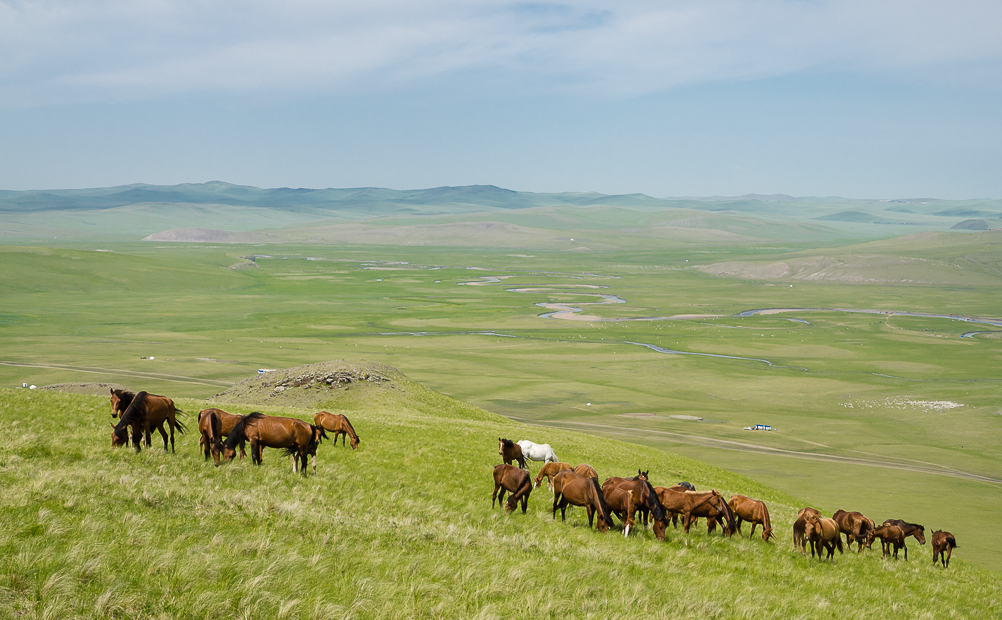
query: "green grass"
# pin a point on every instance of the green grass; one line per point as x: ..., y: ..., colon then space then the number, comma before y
x: 401, y: 528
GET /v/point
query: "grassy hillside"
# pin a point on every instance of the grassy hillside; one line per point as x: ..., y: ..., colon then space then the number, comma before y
x: 402, y: 527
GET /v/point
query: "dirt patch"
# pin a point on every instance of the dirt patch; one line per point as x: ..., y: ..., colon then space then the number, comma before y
x: 312, y: 384
x: 94, y: 389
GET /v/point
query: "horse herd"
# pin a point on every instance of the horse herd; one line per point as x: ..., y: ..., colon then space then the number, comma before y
x: 143, y: 412
x: 625, y: 497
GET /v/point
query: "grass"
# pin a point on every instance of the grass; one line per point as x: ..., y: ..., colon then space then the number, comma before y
x: 402, y: 527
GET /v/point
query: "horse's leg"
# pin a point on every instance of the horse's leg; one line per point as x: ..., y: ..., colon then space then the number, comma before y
x: 494, y: 496
x: 163, y: 433
x: 556, y: 500
x: 313, y: 459
x: 303, y: 458
x: 906, y: 551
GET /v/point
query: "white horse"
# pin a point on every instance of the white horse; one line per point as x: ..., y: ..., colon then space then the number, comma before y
x: 537, y: 451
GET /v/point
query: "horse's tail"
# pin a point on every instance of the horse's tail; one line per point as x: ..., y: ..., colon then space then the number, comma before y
x: 601, y: 502
x: 181, y: 427
x: 950, y: 540
x: 766, y: 523
x: 729, y: 514
x: 217, y: 429
x: 292, y: 450
x: 239, y: 433
x: 323, y: 433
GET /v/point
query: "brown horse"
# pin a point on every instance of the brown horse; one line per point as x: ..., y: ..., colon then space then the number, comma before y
x: 943, y: 544
x: 620, y: 502
x: 889, y: 535
x: 910, y: 529
x: 671, y: 499
x: 298, y: 438
x: 340, y: 425
x: 142, y: 412
x: 800, y: 529
x: 548, y: 471
x: 516, y: 482
x: 511, y: 452
x: 570, y: 488
x: 213, y: 425
x: 855, y: 526
x: 753, y: 511
x: 645, y: 500
x: 823, y: 532
x: 586, y: 471
x: 709, y: 504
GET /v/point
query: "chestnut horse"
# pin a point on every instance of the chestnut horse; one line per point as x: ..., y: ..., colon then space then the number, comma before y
x: 910, y: 529
x: 889, y: 535
x: 213, y: 425
x: 570, y: 488
x: 709, y: 504
x: 753, y: 511
x: 671, y: 499
x: 800, y: 529
x: 516, y: 482
x: 620, y: 502
x: 141, y: 412
x: 511, y: 451
x: 340, y: 425
x: 548, y: 471
x: 823, y: 532
x: 645, y: 500
x: 586, y: 471
x: 943, y: 544
x: 299, y: 438
x: 855, y: 526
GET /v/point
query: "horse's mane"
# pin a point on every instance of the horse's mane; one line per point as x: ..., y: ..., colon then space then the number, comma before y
x: 239, y: 433
x: 654, y: 503
x: 124, y: 396
x: 351, y: 428
x: 508, y: 443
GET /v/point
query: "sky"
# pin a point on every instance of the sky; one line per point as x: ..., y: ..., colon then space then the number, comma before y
x: 862, y: 99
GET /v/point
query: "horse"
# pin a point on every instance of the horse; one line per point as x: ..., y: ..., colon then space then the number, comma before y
x: 889, y: 535
x: 570, y: 488
x: 800, y: 529
x: 823, y: 532
x: 538, y: 451
x: 620, y: 502
x: 516, y: 482
x: 511, y: 451
x: 855, y: 526
x: 299, y: 438
x: 144, y: 411
x: 709, y: 504
x: 548, y: 471
x: 213, y: 425
x: 671, y: 499
x: 910, y: 529
x: 586, y: 471
x: 943, y: 544
x: 753, y: 511
x: 340, y: 425
x: 645, y: 500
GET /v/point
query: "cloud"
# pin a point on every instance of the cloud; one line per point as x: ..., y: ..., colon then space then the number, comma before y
x: 54, y: 51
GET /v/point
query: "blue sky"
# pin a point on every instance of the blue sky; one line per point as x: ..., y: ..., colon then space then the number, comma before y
x: 878, y: 99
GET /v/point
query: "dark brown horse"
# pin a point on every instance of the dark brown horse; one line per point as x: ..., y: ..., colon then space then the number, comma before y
x: 548, y: 471
x: 620, y: 502
x: 889, y: 535
x: 586, y: 471
x: 708, y: 504
x: 800, y: 529
x: 142, y: 412
x: 753, y: 511
x: 943, y: 544
x: 511, y: 452
x: 910, y: 529
x: 213, y: 425
x: 340, y: 426
x: 570, y: 488
x: 855, y: 526
x: 516, y: 482
x: 823, y: 533
x: 298, y: 438
x: 645, y: 500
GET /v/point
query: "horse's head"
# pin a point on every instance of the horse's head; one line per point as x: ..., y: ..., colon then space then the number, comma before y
x: 354, y: 442
x: 919, y: 534
x: 115, y: 402
x: 119, y: 437
x: 228, y: 453
x: 660, y: 526
x: 642, y: 475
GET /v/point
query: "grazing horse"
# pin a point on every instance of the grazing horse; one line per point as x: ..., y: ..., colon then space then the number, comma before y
x: 910, y: 529
x: 855, y: 526
x: 222, y: 427
x: 516, y: 482
x: 823, y: 532
x: 299, y: 438
x: 709, y: 504
x: 340, y: 425
x: 800, y: 529
x: 537, y: 451
x: 570, y: 488
x: 645, y: 500
x: 753, y: 511
x: 144, y: 411
x: 943, y: 544
x: 889, y: 535
x: 620, y: 502
x: 548, y: 471
x: 671, y: 499
x: 511, y: 451
x: 586, y: 471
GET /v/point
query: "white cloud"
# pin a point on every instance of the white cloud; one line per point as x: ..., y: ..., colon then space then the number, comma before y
x: 78, y: 50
